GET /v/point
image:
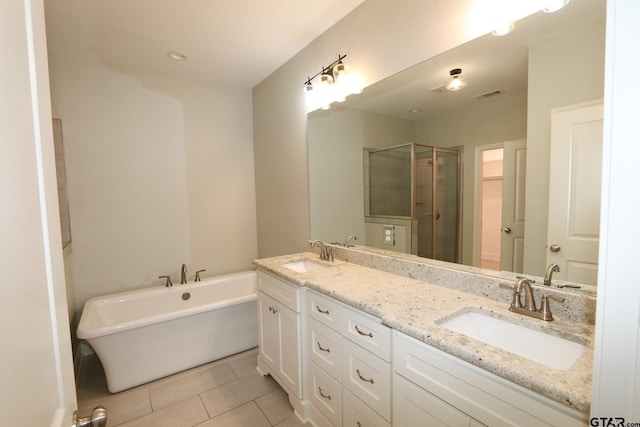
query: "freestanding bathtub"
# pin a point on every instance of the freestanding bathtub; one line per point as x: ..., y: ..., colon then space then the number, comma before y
x: 146, y: 334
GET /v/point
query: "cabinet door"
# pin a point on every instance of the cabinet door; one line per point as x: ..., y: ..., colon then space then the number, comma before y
x: 415, y: 407
x: 268, y: 331
x: 289, y: 341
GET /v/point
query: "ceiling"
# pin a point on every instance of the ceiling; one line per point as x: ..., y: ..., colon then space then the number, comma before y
x: 237, y: 43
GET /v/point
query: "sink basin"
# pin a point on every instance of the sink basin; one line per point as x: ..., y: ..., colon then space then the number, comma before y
x: 304, y: 265
x: 549, y: 350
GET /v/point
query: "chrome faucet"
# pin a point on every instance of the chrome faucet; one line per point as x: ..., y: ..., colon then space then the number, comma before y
x: 183, y: 274
x: 346, y: 242
x: 550, y: 270
x: 325, y: 253
x: 529, y: 306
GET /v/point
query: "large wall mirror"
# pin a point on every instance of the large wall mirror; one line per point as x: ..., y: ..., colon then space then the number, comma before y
x: 501, y: 119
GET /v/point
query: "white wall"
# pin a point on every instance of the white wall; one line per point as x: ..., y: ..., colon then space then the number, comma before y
x: 160, y: 173
x: 616, y: 375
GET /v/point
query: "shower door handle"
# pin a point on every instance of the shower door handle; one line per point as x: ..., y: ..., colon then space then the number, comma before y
x: 507, y: 230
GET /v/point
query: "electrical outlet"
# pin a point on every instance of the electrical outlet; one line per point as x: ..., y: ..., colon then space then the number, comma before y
x: 389, y: 235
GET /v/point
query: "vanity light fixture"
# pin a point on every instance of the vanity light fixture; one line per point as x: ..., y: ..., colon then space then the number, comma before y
x: 177, y: 56
x: 456, y: 82
x: 554, y: 5
x: 335, y: 83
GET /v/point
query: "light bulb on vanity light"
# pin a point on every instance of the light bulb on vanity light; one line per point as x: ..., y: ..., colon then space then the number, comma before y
x: 325, y: 93
x: 554, y: 5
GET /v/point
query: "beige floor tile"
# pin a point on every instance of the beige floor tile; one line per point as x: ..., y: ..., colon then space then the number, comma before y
x: 186, y: 413
x: 247, y: 415
x: 189, y: 383
x: 246, y: 364
x: 237, y: 393
x: 292, y: 421
x: 275, y: 406
x: 121, y: 407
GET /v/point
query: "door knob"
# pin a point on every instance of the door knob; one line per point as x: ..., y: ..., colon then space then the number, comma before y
x: 507, y: 230
x: 97, y: 418
x: 554, y: 248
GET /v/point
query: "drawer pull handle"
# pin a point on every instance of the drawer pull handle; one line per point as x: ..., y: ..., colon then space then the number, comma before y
x: 326, y: 396
x: 328, y: 350
x: 366, y: 334
x: 358, y: 424
x: 367, y: 380
x: 273, y: 309
x: 321, y: 311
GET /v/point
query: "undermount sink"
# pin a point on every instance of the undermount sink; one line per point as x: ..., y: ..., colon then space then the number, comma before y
x: 549, y: 350
x: 304, y: 265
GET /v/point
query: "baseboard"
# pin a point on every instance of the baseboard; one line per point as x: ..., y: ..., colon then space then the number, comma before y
x: 83, y: 349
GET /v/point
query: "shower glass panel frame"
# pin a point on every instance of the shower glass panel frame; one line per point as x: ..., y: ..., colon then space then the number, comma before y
x: 394, y: 180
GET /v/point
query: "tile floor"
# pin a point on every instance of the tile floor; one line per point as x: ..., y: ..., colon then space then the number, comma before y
x: 228, y: 392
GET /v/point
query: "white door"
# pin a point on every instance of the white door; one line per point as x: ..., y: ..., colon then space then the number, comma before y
x: 514, y: 172
x: 574, y: 194
x: 37, y: 386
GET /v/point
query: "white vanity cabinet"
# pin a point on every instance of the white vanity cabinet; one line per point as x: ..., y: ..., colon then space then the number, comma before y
x: 433, y: 388
x: 279, y: 306
x: 348, y: 365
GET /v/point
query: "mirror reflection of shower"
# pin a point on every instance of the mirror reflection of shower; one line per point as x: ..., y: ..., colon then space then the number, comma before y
x: 413, y: 193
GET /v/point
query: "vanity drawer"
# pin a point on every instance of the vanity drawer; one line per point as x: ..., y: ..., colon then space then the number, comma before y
x: 324, y: 348
x: 325, y: 394
x: 324, y: 309
x: 367, y: 332
x: 356, y: 414
x: 284, y: 292
x: 368, y: 377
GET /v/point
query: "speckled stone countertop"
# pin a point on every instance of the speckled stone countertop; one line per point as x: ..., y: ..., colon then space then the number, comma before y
x: 417, y: 308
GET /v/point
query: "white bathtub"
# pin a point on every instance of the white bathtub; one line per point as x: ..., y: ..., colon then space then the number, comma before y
x: 143, y: 335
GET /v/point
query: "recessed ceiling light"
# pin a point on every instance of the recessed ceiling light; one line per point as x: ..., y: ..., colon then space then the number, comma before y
x: 177, y: 56
x: 415, y: 110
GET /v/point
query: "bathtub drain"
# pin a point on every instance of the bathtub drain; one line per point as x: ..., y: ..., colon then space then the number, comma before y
x: 186, y: 296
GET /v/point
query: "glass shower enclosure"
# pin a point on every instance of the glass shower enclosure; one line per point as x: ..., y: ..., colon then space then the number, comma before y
x: 422, y: 183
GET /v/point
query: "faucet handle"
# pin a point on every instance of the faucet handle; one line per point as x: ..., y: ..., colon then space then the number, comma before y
x: 197, y: 279
x: 515, y: 301
x: 544, y: 306
x: 168, y: 283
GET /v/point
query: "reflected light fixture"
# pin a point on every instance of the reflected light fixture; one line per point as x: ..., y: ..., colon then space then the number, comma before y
x: 336, y: 82
x: 456, y: 82
x: 554, y: 5
x: 503, y: 30
x: 177, y: 56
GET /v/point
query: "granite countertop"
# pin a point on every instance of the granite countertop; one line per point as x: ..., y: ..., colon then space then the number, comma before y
x: 416, y: 308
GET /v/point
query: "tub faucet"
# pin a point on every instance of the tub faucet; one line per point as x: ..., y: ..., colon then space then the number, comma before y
x: 168, y: 283
x: 550, y: 270
x: 197, y: 279
x: 183, y: 274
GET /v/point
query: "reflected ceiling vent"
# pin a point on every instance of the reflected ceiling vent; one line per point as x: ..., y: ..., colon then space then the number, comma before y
x: 439, y: 89
x: 489, y: 94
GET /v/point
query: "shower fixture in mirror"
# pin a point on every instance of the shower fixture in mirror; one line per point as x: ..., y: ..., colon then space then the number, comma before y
x: 513, y: 85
